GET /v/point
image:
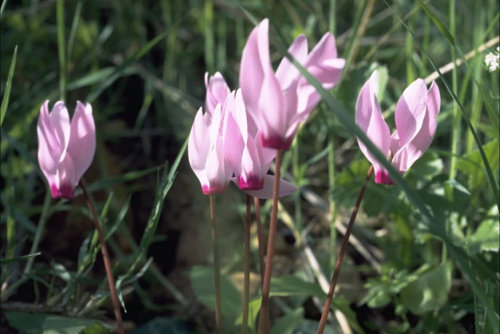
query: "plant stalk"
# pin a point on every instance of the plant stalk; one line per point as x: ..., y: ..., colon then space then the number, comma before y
x: 264, y: 319
x: 340, y: 258
x: 246, y: 279
x: 213, y: 224
x: 107, y: 264
x: 260, y: 237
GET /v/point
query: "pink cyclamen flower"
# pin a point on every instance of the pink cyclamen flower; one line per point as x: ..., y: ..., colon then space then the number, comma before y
x: 65, y: 149
x: 245, y: 154
x: 280, y: 101
x: 217, y: 91
x: 416, y: 122
x: 206, y: 150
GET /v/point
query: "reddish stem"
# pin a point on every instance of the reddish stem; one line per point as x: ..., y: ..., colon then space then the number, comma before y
x: 107, y: 264
x: 260, y: 238
x: 213, y: 224
x: 246, y: 279
x: 264, y: 319
x: 340, y: 258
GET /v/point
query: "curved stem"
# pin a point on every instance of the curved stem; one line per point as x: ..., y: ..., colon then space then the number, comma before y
x: 340, y: 258
x: 260, y: 237
x: 107, y: 264
x: 213, y: 224
x: 246, y: 279
x: 264, y: 319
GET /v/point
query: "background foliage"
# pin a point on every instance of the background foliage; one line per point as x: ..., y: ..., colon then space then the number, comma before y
x: 423, y: 255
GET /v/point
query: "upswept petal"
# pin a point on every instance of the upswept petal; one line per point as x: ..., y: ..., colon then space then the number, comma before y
x: 369, y: 118
x: 198, y: 144
x: 261, y: 90
x: 410, y: 111
x: 217, y: 91
x: 325, y: 50
x: 254, y: 63
x: 82, y: 141
x: 287, y: 72
x: 233, y: 141
x: 53, y: 131
x: 421, y: 127
x: 215, y: 169
x: 286, y: 188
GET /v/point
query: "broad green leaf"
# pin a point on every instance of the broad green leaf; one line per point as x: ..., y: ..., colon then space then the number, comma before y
x: 472, y: 164
x: 253, y: 313
x: 429, y: 291
x: 487, y: 235
x: 47, y: 323
x: 287, y: 323
x: 292, y: 286
x: 96, y: 328
x: 202, y: 282
x: 163, y: 326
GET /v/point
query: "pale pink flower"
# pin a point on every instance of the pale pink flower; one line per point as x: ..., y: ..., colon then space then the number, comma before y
x: 65, y: 149
x: 206, y: 151
x: 244, y: 152
x: 416, y: 122
x: 279, y: 102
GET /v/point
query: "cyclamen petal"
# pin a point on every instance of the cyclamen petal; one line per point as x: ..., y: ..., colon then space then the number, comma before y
x: 217, y: 91
x: 416, y: 122
x: 65, y: 149
x: 82, y: 141
x: 280, y: 102
x: 369, y: 118
x: 286, y: 188
x: 206, y: 151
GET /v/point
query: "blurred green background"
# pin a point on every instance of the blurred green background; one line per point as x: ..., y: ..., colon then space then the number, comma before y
x: 422, y: 266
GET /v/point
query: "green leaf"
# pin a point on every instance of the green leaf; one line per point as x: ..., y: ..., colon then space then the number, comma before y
x: 253, y: 312
x: 95, y: 329
x: 8, y: 85
x: 164, y: 325
x: 47, y: 323
x: 293, y: 286
x: 287, y: 323
x: 487, y: 235
x: 429, y: 291
x: 202, y: 282
x: 342, y: 304
x: 472, y: 165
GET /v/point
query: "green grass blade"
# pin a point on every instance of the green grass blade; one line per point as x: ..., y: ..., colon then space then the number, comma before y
x: 19, y: 258
x: 74, y: 28
x: 62, y: 48
x: 437, y: 22
x: 8, y: 86
x: 4, y: 4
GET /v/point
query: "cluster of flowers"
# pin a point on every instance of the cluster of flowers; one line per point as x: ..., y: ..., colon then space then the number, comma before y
x: 241, y: 130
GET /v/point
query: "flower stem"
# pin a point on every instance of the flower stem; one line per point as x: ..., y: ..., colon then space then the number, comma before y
x: 260, y: 237
x: 246, y: 279
x: 213, y: 224
x: 340, y: 258
x: 107, y: 264
x: 264, y: 319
